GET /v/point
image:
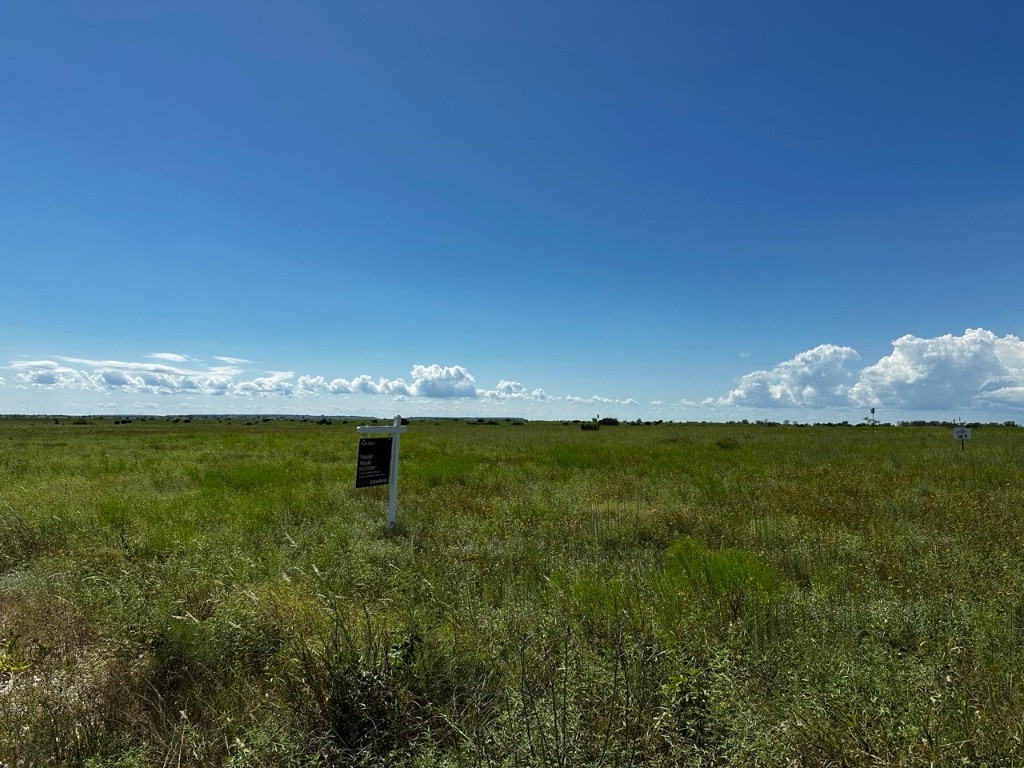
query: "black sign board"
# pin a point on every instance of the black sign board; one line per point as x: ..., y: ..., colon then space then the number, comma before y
x: 374, y: 467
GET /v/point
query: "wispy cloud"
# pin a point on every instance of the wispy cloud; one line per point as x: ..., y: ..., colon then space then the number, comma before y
x: 598, y: 400
x: 172, y: 357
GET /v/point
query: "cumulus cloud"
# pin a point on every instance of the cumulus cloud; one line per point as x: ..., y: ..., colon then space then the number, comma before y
x: 512, y: 390
x: 815, y: 378
x: 275, y: 383
x: 971, y: 370
x: 976, y: 370
x: 115, y: 375
x: 52, y: 375
x: 163, y: 373
x: 365, y: 385
x: 360, y: 385
x: 437, y: 381
x: 310, y: 386
x: 427, y: 381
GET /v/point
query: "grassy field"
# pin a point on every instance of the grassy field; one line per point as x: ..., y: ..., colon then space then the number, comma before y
x: 214, y: 593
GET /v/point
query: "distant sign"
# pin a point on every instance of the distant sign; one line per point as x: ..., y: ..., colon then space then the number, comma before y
x: 961, y: 433
x: 374, y: 467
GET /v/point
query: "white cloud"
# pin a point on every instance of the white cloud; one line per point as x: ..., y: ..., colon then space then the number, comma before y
x: 162, y: 377
x: 365, y: 385
x: 815, y: 378
x: 276, y: 383
x: 228, y: 371
x: 115, y: 375
x: 310, y: 386
x: 1012, y: 396
x: 428, y: 381
x: 437, y: 381
x: 51, y: 375
x: 188, y: 383
x: 972, y: 370
x: 598, y: 400
x: 511, y: 390
x: 114, y: 378
x: 977, y: 370
x: 514, y: 391
x: 232, y: 360
x: 594, y: 399
x: 507, y: 388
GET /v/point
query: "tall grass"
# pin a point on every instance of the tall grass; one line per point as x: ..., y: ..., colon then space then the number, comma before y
x: 219, y: 593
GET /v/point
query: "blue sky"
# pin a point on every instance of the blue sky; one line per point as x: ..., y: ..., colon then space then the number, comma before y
x: 649, y: 209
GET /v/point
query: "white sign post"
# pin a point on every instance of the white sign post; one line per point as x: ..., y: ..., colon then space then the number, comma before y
x: 962, y: 434
x: 395, y: 431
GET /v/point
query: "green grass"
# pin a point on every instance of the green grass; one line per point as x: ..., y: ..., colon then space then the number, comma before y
x: 214, y: 593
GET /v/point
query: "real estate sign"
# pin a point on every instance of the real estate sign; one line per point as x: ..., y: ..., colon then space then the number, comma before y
x: 374, y: 467
x: 378, y: 462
